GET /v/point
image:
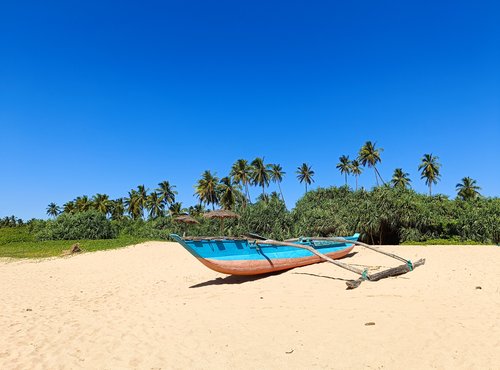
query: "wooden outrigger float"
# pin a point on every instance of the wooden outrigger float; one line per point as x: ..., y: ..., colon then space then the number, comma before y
x: 254, y: 254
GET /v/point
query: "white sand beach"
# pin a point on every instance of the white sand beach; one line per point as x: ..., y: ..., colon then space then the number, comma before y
x: 153, y: 306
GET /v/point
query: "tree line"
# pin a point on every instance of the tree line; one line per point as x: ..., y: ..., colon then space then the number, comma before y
x: 232, y: 191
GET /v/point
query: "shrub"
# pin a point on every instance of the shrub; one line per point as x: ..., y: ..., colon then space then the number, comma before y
x: 84, y: 225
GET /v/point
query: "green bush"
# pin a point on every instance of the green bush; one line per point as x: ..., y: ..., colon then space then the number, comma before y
x: 85, y: 225
x: 15, y: 234
x: 269, y: 218
x: 391, y: 216
x: 158, y: 229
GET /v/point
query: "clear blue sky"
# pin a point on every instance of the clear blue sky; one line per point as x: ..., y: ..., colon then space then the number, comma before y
x: 104, y: 96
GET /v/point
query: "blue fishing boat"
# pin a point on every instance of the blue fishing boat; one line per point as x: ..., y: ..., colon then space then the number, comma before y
x: 247, y: 256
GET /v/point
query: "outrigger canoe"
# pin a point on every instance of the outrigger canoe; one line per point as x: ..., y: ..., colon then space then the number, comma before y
x: 244, y: 256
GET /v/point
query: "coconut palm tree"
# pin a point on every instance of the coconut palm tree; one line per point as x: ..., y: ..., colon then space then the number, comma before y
x: 101, y: 203
x: 142, y: 195
x: 468, y: 189
x: 196, y: 210
x: 356, y: 170
x: 400, y: 178
x: 176, y: 209
x: 265, y: 198
x: 370, y: 156
x: 305, y: 174
x: 53, y: 209
x: 229, y: 193
x: 117, y: 209
x: 83, y: 203
x: 206, y: 189
x: 155, y: 205
x: 344, y: 166
x: 430, y: 170
x: 133, y: 204
x: 69, y: 207
x: 260, y: 174
x: 241, y: 172
x: 166, y: 193
x: 277, y: 173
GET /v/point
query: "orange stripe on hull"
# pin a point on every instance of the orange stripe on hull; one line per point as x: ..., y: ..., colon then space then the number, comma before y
x: 256, y: 267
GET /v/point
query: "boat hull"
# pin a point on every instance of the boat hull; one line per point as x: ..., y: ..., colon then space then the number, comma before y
x: 257, y: 267
x: 244, y: 257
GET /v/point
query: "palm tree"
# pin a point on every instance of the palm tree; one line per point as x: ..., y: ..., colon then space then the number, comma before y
x: 69, y: 207
x: 229, y: 194
x: 400, y: 178
x: 117, y: 209
x: 53, y: 209
x: 263, y: 198
x: 101, y: 203
x: 430, y: 170
x: 305, y: 174
x: 166, y: 193
x: 142, y: 197
x: 241, y: 172
x: 155, y: 205
x: 176, y: 209
x: 196, y: 210
x: 277, y: 173
x: 83, y: 203
x: 133, y: 204
x: 370, y: 156
x: 206, y: 189
x: 260, y: 175
x: 468, y: 189
x: 356, y: 170
x: 344, y: 166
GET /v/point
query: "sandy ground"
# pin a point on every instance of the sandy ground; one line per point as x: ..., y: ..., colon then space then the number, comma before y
x: 153, y: 306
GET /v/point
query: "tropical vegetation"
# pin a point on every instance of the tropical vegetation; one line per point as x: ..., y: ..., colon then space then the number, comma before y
x: 391, y: 213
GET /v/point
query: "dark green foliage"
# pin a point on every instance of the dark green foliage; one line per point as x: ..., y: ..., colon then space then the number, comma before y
x: 11, y: 221
x: 83, y: 225
x: 157, y: 229
x: 267, y: 218
x: 383, y: 215
x: 394, y: 215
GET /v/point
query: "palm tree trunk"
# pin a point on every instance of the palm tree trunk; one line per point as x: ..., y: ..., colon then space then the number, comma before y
x: 381, y: 179
x: 430, y: 189
x: 306, y: 187
x: 356, y: 182
x: 282, y: 197
x: 248, y: 192
x: 346, y: 179
x: 376, y: 178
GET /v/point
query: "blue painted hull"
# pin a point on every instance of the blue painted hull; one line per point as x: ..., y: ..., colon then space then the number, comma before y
x: 243, y: 257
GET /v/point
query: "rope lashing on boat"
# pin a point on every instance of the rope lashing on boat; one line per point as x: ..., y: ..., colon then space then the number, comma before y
x: 410, y: 265
x: 364, y: 275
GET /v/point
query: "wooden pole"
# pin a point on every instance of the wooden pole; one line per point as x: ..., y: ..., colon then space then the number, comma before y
x: 352, y: 284
x: 313, y: 251
x: 342, y: 240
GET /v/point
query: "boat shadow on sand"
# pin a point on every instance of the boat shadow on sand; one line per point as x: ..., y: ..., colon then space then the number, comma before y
x: 235, y: 279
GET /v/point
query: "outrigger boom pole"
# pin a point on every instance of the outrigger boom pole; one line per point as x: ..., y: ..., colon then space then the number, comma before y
x: 351, y: 284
